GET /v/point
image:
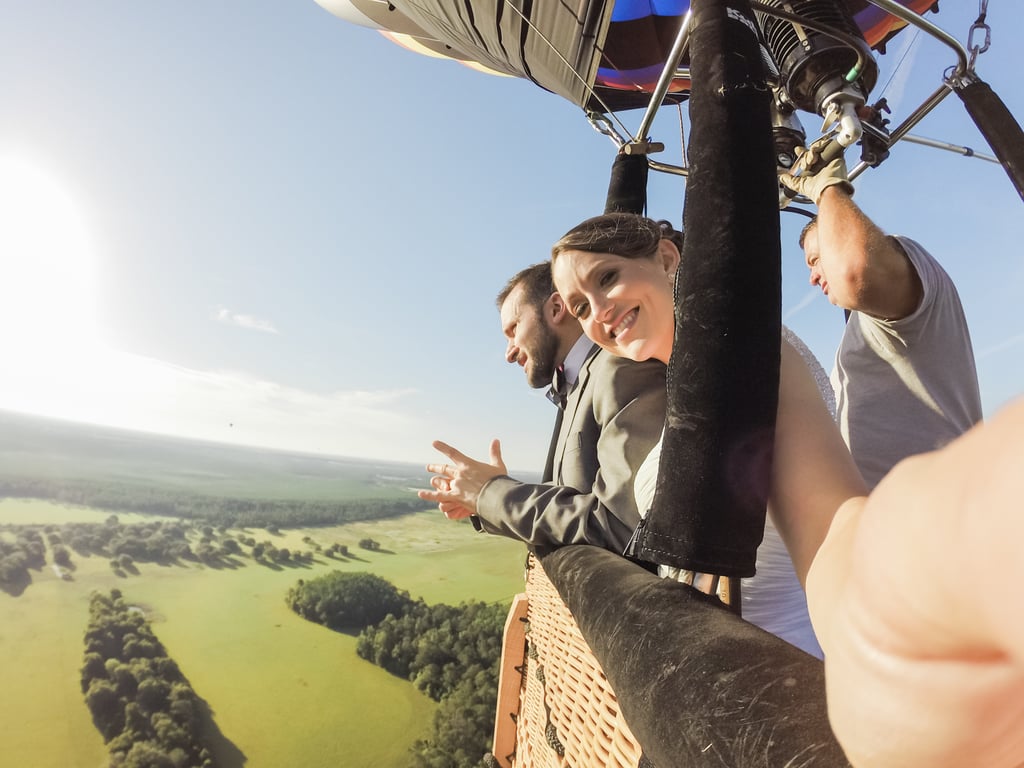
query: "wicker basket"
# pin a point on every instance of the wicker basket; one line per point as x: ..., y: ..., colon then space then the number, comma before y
x: 555, y: 706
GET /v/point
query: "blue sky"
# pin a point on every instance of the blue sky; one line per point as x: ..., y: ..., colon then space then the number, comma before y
x: 256, y: 223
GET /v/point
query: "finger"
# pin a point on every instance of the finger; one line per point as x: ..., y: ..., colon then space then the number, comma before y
x: 440, y: 469
x: 452, y: 453
x: 789, y: 181
x: 822, y: 141
x: 800, y: 165
x: 705, y: 582
x: 438, y: 497
x: 496, y: 453
x: 444, y: 496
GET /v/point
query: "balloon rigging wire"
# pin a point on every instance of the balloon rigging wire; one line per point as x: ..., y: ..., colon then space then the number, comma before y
x: 589, y: 88
x: 903, y: 58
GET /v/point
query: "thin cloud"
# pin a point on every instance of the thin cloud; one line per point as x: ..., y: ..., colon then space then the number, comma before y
x: 801, y: 305
x: 140, y: 393
x: 248, y: 322
x: 1003, y: 345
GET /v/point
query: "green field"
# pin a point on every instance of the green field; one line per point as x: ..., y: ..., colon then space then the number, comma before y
x: 283, y: 691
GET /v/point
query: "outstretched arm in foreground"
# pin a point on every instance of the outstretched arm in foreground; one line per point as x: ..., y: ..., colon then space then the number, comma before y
x: 915, y: 597
x: 813, y: 474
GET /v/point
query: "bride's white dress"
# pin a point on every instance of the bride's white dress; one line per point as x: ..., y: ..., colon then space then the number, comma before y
x: 772, y: 599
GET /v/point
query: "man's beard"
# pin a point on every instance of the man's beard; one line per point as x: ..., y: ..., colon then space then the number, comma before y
x: 543, y: 360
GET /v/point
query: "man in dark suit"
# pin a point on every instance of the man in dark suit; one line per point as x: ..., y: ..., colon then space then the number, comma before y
x: 613, y: 413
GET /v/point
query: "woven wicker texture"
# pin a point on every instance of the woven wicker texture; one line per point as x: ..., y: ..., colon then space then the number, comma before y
x: 568, y: 714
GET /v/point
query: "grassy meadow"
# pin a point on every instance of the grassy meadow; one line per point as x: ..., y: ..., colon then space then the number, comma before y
x: 283, y: 691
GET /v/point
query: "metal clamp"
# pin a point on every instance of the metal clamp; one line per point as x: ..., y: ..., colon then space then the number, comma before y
x: 979, y: 25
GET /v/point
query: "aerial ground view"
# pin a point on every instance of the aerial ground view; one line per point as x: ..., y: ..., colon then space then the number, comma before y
x: 254, y: 351
x: 256, y: 632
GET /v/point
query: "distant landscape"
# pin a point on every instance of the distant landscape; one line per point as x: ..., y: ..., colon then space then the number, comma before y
x: 203, y: 542
x: 67, y: 450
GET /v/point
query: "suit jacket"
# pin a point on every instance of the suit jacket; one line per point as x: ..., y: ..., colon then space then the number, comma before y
x: 613, y: 418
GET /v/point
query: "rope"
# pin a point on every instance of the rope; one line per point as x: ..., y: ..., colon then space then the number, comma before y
x: 903, y: 58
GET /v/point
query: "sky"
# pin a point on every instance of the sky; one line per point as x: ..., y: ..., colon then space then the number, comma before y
x: 256, y: 223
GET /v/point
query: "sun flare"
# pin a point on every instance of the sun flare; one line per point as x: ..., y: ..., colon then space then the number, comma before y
x: 47, y: 275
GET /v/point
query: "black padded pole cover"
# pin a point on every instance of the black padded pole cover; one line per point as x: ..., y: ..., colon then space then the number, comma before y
x: 627, y: 185
x: 697, y: 685
x: 998, y: 126
x: 709, y: 507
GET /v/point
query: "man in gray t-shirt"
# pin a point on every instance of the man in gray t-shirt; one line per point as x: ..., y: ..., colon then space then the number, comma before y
x: 904, y: 375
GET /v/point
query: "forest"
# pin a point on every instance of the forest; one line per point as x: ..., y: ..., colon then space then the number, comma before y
x: 450, y: 653
x: 140, y: 701
x: 221, y: 510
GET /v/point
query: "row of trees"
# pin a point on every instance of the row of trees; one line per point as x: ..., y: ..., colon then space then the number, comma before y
x: 140, y: 701
x: 159, y: 541
x: 451, y: 653
x: 436, y: 646
x: 228, y: 511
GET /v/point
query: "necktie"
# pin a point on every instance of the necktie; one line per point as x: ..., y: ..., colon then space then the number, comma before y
x: 556, y: 394
x: 549, y: 463
x: 559, y: 388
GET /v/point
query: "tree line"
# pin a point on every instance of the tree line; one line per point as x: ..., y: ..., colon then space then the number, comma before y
x: 450, y: 653
x: 222, y: 510
x: 142, y: 704
x: 154, y: 541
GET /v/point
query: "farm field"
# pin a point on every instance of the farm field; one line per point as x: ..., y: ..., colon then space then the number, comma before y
x: 283, y: 691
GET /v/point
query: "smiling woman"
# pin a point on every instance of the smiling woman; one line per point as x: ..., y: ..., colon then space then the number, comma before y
x: 47, y: 292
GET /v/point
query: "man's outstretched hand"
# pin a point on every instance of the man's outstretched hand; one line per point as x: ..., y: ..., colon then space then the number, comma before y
x: 457, y: 483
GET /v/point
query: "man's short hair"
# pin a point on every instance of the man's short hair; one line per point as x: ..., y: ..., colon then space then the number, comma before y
x: 807, y: 228
x: 537, y: 283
